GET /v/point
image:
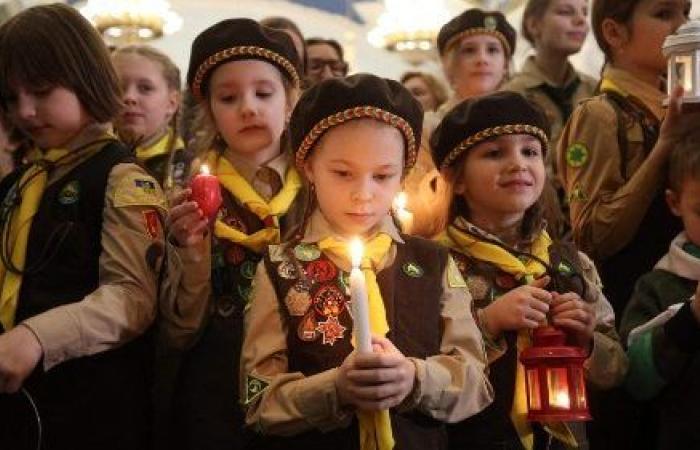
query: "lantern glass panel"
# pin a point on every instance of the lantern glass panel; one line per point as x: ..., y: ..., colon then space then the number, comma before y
x: 533, y: 385
x: 683, y: 71
x: 558, y: 388
x: 579, y: 388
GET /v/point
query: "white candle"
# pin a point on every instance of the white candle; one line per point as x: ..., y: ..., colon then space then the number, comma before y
x: 404, y: 216
x: 358, y: 298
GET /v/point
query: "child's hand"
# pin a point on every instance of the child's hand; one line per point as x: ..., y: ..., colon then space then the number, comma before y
x: 186, y: 222
x: 522, y: 307
x: 678, y: 122
x: 20, y: 352
x: 570, y: 312
x: 375, y: 381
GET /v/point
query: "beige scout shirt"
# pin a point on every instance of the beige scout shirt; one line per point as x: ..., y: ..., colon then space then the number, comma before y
x: 450, y: 386
x: 528, y: 82
x: 185, y: 294
x: 124, y: 304
x: 606, y: 209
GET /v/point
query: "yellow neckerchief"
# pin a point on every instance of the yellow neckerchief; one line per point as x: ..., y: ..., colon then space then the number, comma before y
x: 159, y: 147
x: 268, y: 212
x: 454, y: 238
x: 375, y: 427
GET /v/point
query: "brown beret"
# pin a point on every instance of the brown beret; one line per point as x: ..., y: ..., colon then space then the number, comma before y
x: 476, y: 21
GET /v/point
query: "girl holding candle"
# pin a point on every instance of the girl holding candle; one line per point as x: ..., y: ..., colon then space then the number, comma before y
x: 151, y: 93
x: 82, y: 243
x: 302, y: 383
x: 246, y: 78
x: 491, y: 151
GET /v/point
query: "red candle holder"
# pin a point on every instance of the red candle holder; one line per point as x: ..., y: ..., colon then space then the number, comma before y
x: 206, y: 191
x: 556, y: 389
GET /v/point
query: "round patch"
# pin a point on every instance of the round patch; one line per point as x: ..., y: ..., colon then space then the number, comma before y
x: 225, y: 305
x: 287, y: 270
x: 235, y: 255
x: 248, y: 270
x: 307, y: 252
x: 321, y: 270
x: 413, y: 270
x: 70, y: 193
x: 329, y: 301
x: 576, y: 155
x: 490, y: 23
x: 298, y: 303
x: 307, y: 328
x: 478, y: 287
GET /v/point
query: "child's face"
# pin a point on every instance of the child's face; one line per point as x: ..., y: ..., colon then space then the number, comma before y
x: 356, y: 169
x: 501, y: 178
x: 652, y: 21
x: 422, y: 92
x: 686, y: 205
x: 564, y: 26
x: 249, y: 106
x: 478, y: 66
x: 148, y: 101
x: 50, y: 116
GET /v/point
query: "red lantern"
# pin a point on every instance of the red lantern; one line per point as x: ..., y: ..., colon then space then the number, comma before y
x: 206, y: 192
x: 556, y: 390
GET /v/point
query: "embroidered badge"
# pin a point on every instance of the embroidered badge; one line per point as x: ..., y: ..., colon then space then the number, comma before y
x: 413, y: 270
x: 331, y: 330
x: 490, y: 23
x: 321, y: 270
x: 307, y: 327
x: 225, y: 305
x: 303, y: 285
x: 478, y: 287
x: 70, y: 193
x: 277, y: 253
x: 135, y: 189
x: 152, y: 225
x: 307, y: 252
x: 298, y: 303
x: 248, y: 270
x: 329, y: 301
x: 235, y: 223
x: 254, y: 387
x: 564, y: 268
x: 287, y: 270
x: 577, y: 194
x: 235, y: 254
x: 454, y: 276
x: 576, y: 155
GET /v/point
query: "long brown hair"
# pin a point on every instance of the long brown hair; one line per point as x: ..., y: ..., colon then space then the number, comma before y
x: 620, y: 11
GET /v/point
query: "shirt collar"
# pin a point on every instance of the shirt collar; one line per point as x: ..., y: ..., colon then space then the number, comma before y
x: 649, y: 95
x: 318, y: 228
x: 532, y: 75
x: 247, y: 170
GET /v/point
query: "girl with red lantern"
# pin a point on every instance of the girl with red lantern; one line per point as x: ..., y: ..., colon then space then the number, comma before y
x: 491, y: 150
x: 246, y: 78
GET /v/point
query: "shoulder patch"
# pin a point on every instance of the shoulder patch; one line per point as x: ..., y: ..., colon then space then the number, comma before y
x: 454, y: 276
x: 138, y: 189
x: 254, y: 387
x: 576, y: 155
x: 577, y: 194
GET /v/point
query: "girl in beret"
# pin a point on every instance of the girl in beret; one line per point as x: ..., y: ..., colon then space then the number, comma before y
x: 150, y: 83
x: 246, y: 79
x: 303, y: 383
x: 491, y: 151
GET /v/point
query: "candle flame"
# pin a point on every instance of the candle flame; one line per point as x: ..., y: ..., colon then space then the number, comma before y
x: 400, y: 201
x: 561, y: 399
x: 356, y: 252
x: 204, y: 170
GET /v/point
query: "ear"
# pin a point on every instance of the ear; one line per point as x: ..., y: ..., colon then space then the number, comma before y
x: 615, y: 34
x: 308, y: 170
x: 532, y: 26
x: 173, y: 103
x: 674, y: 202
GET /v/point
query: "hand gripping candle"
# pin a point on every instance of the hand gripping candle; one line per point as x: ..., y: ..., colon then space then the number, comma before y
x: 206, y: 192
x: 358, y: 299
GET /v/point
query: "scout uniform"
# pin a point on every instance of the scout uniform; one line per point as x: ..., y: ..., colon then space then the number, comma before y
x: 259, y: 203
x: 299, y: 326
x: 423, y: 183
x: 664, y: 363
x: 83, y: 278
x: 491, y: 269
x: 165, y: 157
x: 618, y: 211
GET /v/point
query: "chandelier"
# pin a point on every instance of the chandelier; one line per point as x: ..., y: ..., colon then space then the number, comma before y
x: 132, y: 21
x: 411, y: 30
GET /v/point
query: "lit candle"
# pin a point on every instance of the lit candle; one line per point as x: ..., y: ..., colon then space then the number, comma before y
x: 206, y: 192
x: 359, y: 301
x: 404, y: 216
x: 561, y: 400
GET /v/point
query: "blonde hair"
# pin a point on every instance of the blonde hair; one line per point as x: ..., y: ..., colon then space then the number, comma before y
x: 436, y: 87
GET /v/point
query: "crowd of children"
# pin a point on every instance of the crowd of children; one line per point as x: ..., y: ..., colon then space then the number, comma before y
x: 131, y: 319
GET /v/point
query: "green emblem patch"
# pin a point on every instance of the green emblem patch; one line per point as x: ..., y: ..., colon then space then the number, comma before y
x: 564, y: 268
x: 248, y: 270
x: 490, y: 23
x: 307, y: 252
x: 70, y: 193
x: 576, y: 155
x: 413, y: 270
x: 254, y: 386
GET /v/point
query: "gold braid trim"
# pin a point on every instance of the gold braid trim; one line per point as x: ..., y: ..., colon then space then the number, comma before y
x: 359, y: 112
x: 493, y: 132
x: 228, y: 53
x: 472, y: 31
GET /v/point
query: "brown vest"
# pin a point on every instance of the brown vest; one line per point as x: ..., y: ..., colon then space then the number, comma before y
x: 413, y: 305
